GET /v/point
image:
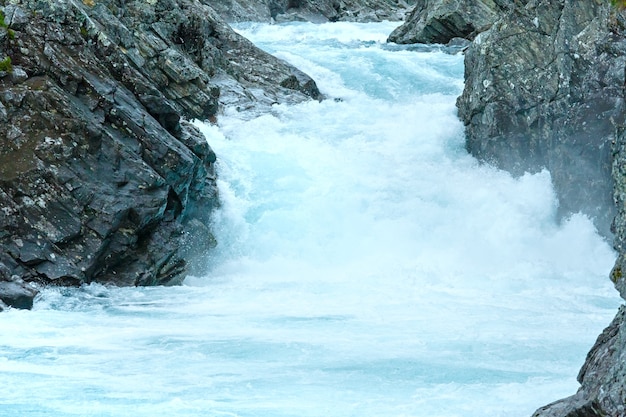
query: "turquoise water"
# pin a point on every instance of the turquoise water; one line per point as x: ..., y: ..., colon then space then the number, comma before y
x: 366, y: 266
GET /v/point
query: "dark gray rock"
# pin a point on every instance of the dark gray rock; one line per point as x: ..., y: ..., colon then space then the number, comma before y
x: 317, y: 11
x: 433, y: 21
x: 618, y: 274
x: 544, y: 89
x: 16, y: 294
x: 15, y: 17
x: 101, y: 178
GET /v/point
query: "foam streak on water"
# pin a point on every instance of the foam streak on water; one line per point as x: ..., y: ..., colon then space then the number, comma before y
x: 367, y: 266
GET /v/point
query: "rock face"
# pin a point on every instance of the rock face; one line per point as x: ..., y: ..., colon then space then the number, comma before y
x: 317, y: 11
x: 435, y: 21
x: 544, y: 88
x: 618, y: 274
x: 101, y: 177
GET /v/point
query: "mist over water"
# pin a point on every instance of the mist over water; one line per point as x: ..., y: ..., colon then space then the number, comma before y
x: 366, y: 266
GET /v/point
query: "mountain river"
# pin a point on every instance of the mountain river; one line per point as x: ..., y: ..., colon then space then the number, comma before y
x: 367, y: 266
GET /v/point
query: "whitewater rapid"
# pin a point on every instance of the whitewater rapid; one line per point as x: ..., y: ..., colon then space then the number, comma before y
x: 366, y: 266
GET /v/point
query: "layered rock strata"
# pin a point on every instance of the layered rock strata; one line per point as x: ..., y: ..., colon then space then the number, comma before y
x: 101, y: 178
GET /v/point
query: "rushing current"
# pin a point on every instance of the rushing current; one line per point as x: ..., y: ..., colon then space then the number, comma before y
x: 367, y: 266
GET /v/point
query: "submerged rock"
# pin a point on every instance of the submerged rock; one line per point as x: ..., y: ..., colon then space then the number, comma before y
x: 101, y: 178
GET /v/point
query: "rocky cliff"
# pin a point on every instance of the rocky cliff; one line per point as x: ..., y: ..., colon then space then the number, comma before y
x: 545, y: 89
x: 102, y: 179
x: 603, y: 376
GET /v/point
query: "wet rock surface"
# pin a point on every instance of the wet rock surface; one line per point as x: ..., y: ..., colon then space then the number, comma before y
x: 102, y: 179
x: 602, y: 378
x: 14, y: 292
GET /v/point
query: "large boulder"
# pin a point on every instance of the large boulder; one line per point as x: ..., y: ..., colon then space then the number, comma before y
x: 434, y: 21
x: 102, y: 179
x: 14, y: 292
